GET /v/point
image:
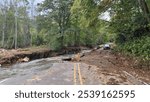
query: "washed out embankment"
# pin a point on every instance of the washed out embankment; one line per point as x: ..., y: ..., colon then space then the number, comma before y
x: 8, y: 57
x: 20, y: 56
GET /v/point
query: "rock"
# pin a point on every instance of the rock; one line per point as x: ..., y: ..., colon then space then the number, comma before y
x: 26, y: 59
x: 76, y: 57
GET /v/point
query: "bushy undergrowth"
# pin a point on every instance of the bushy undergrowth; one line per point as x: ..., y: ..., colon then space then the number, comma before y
x: 138, y: 47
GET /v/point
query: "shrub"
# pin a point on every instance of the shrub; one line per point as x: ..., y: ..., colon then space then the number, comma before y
x: 139, y: 47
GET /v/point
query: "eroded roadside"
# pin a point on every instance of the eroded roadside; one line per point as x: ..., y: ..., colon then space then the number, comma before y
x: 99, y: 67
x: 113, y: 69
x: 9, y: 57
x: 13, y: 56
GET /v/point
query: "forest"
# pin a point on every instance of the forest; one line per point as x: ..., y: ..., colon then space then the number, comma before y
x: 65, y: 23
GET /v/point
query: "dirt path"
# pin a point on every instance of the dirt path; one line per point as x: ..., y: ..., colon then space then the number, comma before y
x: 115, y: 69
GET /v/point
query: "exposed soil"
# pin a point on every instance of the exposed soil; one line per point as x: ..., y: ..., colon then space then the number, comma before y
x: 17, y: 55
x: 114, y: 68
x: 12, y: 56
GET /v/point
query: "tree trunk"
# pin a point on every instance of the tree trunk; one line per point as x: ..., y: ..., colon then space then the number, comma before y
x: 145, y: 9
x: 33, y: 21
x: 4, y: 23
x: 16, y: 26
x: 4, y: 26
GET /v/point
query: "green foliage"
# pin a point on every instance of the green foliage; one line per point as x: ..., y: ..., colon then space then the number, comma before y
x: 78, y: 22
x: 15, y: 23
x: 139, y: 47
x: 56, y: 20
x: 128, y: 21
x: 71, y: 23
x: 131, y: 28
x: 85, y: 17
x: 41, y: 38
x: 55, y: 44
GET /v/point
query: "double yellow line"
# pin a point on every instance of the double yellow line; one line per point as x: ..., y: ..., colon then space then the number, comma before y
x: 77, y: 70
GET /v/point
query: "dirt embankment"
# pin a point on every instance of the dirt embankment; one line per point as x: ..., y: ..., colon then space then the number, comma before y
x: 22, y: 55
x: 116, y: 68
x: 27, y: 54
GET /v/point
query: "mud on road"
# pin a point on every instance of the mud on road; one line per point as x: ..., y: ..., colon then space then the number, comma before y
x: 114, y: 69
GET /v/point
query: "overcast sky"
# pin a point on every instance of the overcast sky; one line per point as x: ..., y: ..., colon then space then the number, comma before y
x: 38, y: 1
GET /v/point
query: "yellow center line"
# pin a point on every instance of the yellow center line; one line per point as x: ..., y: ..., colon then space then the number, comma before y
x: 77, y: 70
x: 80, y: 76
x: 75, y: 78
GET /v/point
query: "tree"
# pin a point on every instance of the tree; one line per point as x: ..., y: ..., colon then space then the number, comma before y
x: 127, y: 20
x: 145, y: 8
x: 59, y: 13
x: 85, y: 16
x: 3, y: 9
x: 15, y: 23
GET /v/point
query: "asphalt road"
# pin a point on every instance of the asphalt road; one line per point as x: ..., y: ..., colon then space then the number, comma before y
x: 49, y: 71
